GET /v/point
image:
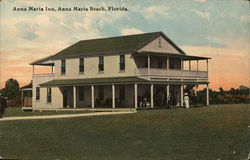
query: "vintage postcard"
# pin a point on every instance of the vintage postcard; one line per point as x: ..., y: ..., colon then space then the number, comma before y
x: 121, y: 79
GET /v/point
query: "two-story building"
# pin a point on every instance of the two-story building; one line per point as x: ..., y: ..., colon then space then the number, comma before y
x: 117, y: 72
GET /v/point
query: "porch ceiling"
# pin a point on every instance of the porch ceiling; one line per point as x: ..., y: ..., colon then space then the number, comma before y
x: 108, y: 80
x: 185, y: 57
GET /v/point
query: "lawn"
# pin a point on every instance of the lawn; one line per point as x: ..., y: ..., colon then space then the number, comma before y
x: 205, y: 133
x: 17, y: 111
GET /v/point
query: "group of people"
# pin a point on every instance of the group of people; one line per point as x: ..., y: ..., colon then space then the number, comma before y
x: 3, y: 105
x: 170, y: 101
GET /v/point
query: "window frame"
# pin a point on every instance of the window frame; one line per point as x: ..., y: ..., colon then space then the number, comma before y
x: 81, y: 65
x: 101, y: 64
x: 49, y: 95
x: 122, y: 62
x: 63, y: 67
x: 37, y: 93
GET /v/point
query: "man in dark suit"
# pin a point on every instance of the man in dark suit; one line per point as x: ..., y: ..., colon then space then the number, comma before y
x: 3, y: 105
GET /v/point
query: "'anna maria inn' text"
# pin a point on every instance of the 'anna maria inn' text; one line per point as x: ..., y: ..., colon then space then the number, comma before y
x: 31, y: 8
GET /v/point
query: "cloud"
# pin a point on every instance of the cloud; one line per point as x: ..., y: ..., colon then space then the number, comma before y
x: 153, y: 12
x: 129, y: 31
x: 203, y: 14
x: 200, y: 1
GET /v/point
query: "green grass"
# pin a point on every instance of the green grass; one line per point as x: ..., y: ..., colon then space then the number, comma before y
x: 205, y: 133
x: 17, y: 111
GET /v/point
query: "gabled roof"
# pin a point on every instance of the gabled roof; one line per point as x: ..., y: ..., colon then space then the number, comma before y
x: 43, y: 61
x: 109, y: 45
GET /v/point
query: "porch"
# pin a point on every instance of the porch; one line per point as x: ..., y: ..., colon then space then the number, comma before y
x: 138, y: 94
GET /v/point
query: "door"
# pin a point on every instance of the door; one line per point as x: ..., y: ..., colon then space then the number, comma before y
x: 65, y: 98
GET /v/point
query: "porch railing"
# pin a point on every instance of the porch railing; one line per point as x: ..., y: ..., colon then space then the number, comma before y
x: 171, y: 73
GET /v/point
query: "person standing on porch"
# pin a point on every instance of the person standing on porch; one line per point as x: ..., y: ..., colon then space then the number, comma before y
x: 169, y: 101
x: 186, y: 100
x: 3, y: 105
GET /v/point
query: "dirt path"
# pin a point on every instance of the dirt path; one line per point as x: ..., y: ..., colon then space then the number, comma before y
x: 64, y: 116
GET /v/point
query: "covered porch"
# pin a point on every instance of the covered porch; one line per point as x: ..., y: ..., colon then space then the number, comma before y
x: 120, y: 92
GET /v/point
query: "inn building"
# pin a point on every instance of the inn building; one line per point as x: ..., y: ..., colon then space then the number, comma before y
x: 117, y: 72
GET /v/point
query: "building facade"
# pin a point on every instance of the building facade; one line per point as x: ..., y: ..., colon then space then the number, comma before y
x: 118, y: 72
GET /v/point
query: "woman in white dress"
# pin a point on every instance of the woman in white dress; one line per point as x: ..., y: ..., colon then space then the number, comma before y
x: 186, y: 100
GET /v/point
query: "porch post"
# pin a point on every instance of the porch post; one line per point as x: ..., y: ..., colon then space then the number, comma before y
x: 167, y: 92
x: 22, y: 98
x: 113, y: 96
x: 182, y: 95
x: 52, y: 69
x: 135, y: 95
x: 189, y: 65
x: 74, y: 96
x: 207, y: 95
x: 152, y: 95
x: 92, y: 96
x: 148, y: 66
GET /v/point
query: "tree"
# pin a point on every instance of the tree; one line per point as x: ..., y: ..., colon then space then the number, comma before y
x: 11, y: 89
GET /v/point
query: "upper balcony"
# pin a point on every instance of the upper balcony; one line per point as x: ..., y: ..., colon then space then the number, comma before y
x: 171, y: 67
x: 172, y: 74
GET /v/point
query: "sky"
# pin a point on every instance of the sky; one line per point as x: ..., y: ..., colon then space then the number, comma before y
x: 212, y: 28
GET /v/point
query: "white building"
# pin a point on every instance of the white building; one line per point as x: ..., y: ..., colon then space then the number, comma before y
x: 117, y: 72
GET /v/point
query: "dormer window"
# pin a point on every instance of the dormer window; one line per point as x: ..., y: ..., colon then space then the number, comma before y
x: 159, y: 43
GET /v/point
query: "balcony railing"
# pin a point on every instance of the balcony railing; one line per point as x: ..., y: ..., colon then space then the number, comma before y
x: 171, y: 73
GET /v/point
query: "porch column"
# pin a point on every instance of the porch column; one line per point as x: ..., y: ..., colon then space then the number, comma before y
x: 207, y: 95
x: 148, y: 66
x: 167, y: 92
x: 113, y: 96
x: 22, y: 98
x: 152, y: 95
x: 74, y: 96
x: 135, y: 95
x: 52, y: 69
x: 182, y: 95
x: 92, y: 96
x: 189, y: 65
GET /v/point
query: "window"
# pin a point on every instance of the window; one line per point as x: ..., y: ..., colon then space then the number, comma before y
x: 146, y: 62
x: 63, y: 66
x: 101, y: 64
x: 122, y: 62
x: 160, y: 63
x: 81, y: 93
x: 159, y: 43
x: 37, y: 93
x: 81, y: 65
x: 101, y: 93
x: 171, y: 63
x: 122, y: 93
x: 48, y: 95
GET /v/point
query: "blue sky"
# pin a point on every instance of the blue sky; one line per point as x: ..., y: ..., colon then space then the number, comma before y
x: 214, y: 28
